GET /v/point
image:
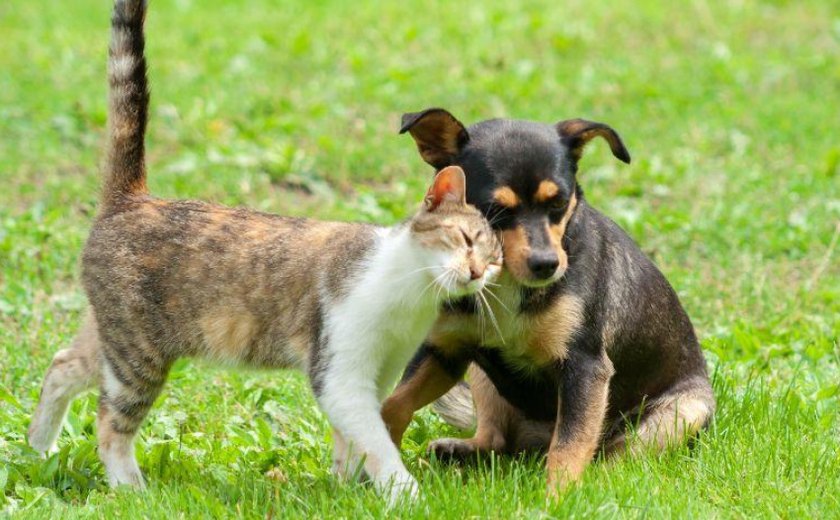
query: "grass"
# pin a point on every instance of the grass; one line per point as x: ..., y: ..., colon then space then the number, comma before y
x: 729, y: 110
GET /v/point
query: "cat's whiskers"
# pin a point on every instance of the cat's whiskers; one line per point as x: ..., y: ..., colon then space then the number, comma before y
x: 448, y: 282
x: 429, y: 268
x: 480, y: 309
x: 501, y: 237
x: 505, y: 307
x: 492, y: 316
x: 443, y: 283
x: 430, y: 284
x: 495, y: 218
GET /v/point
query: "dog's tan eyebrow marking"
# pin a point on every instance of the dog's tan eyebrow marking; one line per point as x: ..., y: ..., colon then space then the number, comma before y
x: 547, y: 190
x: 506, y: 197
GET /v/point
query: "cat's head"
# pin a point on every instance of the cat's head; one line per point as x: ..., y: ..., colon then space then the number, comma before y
x: 460, y: 247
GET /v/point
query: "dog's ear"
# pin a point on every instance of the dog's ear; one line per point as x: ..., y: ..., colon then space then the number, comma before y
x: 577, y: 132
x: 450, y: 184
x: 439, y: 136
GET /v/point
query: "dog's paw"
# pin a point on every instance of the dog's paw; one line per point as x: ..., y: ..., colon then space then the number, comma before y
x: 452, y: 449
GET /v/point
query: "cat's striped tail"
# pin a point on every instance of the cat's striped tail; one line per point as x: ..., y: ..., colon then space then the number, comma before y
x: 128, y: 99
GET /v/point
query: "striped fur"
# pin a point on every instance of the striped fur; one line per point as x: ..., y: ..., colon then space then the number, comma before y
x: 128, y: 100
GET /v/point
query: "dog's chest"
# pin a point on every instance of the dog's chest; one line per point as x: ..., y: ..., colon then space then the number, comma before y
x: 524, y: 340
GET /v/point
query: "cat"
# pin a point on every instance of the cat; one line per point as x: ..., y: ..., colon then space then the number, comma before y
x: 346, y: 302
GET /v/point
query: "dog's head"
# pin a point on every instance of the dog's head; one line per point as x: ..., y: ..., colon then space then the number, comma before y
x: 521, y: 175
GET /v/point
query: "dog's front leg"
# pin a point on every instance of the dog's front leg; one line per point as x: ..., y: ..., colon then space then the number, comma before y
x: 429, y: 375
x: 582, y: 405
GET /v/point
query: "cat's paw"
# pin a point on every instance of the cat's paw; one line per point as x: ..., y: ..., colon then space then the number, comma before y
x: 452, y: 449
x: 44, y: 449
x: 349, y: 471
x: 127, y: 478
x: 400, y: 488
x: 41, y: 440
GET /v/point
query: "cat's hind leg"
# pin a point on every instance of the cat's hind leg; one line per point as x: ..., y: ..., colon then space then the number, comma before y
x: 132, y: 377
x: 73, y: 370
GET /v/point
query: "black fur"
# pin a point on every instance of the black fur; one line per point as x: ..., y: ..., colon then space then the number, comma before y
x: 455, y: 366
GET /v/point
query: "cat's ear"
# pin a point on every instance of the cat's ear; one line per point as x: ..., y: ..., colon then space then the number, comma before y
x: 450, y: 184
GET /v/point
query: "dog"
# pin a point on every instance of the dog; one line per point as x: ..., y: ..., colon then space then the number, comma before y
x: 586, y: 337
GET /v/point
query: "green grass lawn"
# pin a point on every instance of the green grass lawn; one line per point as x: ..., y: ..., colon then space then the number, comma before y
x: 730, y: 110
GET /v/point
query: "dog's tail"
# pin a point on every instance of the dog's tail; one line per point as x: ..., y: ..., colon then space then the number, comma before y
x: 456, y: 407
x: 128, y: 100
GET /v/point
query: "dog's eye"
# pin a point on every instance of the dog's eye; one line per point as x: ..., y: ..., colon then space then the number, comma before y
x: 557, y: 211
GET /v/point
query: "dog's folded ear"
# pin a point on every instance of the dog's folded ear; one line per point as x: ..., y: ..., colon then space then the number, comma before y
x: 438, y: 134
x: 575, y: 133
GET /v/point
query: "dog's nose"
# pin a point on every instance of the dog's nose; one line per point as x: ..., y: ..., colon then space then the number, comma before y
x: 543, y: 265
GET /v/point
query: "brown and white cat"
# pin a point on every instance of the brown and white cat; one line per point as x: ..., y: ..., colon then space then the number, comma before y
x: 347, y: 302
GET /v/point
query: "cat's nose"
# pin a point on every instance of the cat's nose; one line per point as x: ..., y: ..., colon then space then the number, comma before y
x: 475, y: 273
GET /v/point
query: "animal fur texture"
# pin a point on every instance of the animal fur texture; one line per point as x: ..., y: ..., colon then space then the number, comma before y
x: 591, y: 347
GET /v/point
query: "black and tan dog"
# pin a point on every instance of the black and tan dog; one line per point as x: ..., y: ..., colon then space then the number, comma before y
x: 589, y: 335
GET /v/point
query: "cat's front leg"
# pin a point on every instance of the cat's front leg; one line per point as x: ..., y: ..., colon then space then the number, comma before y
x: 349, y: 398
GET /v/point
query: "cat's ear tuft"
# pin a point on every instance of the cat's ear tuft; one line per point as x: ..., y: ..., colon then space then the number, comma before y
x: 450, y: 184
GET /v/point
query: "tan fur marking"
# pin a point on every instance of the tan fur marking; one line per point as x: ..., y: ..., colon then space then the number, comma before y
x: 547, y: 190
x: 506, y: 197
x: 496, y: 416
x: 428, y: 382
x: 551, y: 332
x: 320, y: 233
x: 451, y: 333
x: 516, y: 251
x: 149, y: 262
x: 566, y: 466
x: 557, y: 231
x: 228, y: 334
x: 569, y: 456
x: 300, y: 344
